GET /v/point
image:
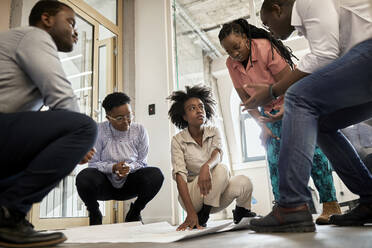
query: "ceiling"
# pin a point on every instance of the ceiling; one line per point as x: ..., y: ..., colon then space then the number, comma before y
x: 209, y: 16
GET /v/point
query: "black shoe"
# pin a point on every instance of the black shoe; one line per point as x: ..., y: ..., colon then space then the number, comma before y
x: 95, y: 217
x: 203, y: 215
x: 360, y: 215
x: 239, y: 213
x: 298, y: 219
x: 16, y: 231
x: 133, y: 215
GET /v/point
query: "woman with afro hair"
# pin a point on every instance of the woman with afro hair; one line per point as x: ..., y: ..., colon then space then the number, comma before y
x: 204, y: 184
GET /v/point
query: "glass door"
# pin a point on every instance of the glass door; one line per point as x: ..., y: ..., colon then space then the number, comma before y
x: 107, y: 82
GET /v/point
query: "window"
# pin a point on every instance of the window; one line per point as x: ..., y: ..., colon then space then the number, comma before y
x: 108, y: 8
x: 252, y: 150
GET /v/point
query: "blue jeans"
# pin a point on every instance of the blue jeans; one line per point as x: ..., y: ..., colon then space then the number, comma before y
x: 316, y: 107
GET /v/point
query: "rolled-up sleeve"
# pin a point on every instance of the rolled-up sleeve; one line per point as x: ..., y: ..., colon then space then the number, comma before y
x: 321, y: 28
x: 178, y: 160
x: 217, y: 142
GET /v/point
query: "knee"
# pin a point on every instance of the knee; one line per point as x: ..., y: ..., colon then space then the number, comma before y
x: 88, y: 128
x: 157, y: 176
x: 242, y: 182
x: 297, y: 97
x: 221, y: 171
x: 290, y: 94
x: 84, y: 126
x: 84, y: 180
x: 152, y: 177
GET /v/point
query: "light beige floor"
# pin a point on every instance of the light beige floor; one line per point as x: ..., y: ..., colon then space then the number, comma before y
x: 325, y: 236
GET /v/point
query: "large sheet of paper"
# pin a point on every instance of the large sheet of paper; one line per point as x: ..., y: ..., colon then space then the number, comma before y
x: 243, y: 224
x: 161, y: 232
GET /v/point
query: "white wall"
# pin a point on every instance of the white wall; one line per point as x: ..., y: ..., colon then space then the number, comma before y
x: 230, y: 111
x: 153, y: 85
x: 4, y: 14
x: 20, y: 10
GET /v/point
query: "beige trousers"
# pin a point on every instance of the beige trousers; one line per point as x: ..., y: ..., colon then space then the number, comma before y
x: 224, y: 190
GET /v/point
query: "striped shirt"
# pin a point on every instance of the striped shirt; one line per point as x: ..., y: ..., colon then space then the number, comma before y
x: 114, y: 146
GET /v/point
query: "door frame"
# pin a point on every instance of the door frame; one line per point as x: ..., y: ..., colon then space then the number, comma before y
x: 113, y: 210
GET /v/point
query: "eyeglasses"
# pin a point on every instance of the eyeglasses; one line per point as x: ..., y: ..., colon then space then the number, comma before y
x: 121, y: 118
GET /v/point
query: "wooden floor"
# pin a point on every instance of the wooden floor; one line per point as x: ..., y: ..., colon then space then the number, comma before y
x: 325, y: 236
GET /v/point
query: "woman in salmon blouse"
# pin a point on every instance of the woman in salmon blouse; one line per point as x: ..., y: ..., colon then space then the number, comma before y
x: 257, y: 57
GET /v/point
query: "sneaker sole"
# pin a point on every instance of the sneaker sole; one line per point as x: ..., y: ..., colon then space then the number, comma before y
x: 322, y: 222
x: 292, y: 228
x: 352, y: 223
x: 34, y: 244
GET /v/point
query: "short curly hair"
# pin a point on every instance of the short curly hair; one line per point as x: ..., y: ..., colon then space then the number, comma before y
x: 114, y: 100
x: 177, y: 110
x: 52, y: 7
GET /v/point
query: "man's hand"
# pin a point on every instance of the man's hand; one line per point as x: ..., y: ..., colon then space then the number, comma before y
x: 265, y: 135
x: 272, y: 117
x: 121, y: 169
x: 190, y: 222
x: 204, y: 180
x: 261, y: 96
x: 88, y: 156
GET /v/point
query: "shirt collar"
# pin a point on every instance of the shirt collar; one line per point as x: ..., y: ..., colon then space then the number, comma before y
x: 188, y: 139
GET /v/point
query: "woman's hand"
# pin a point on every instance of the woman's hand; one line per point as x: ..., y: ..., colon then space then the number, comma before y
x: 121, y: 169
x: 272, y: 117
x: 190, y: 222
x: 261, y: 97
x: 204, y: 180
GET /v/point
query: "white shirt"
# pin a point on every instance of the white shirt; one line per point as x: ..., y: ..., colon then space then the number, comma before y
x: 332, y: 27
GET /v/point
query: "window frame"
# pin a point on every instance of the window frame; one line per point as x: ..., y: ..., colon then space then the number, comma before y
x: 245, y: 156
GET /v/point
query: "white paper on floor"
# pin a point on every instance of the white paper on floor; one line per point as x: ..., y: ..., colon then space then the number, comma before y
x: 135, y: 232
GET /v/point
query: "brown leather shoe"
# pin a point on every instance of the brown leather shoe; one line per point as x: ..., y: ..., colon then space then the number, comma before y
x: 280, y: 219
x: 329, y: 208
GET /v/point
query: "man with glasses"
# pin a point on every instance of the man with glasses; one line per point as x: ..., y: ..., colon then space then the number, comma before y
x: 119, y: 170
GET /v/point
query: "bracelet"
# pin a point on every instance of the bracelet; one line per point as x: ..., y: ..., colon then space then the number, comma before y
x: 271, y: 92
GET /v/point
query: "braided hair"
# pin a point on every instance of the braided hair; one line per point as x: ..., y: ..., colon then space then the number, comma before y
x: 178, y: 98
x: 242, y: 27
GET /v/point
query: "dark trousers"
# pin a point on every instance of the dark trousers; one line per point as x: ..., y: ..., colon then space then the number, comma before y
x: 93, y: 185
x: 37, y: 150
